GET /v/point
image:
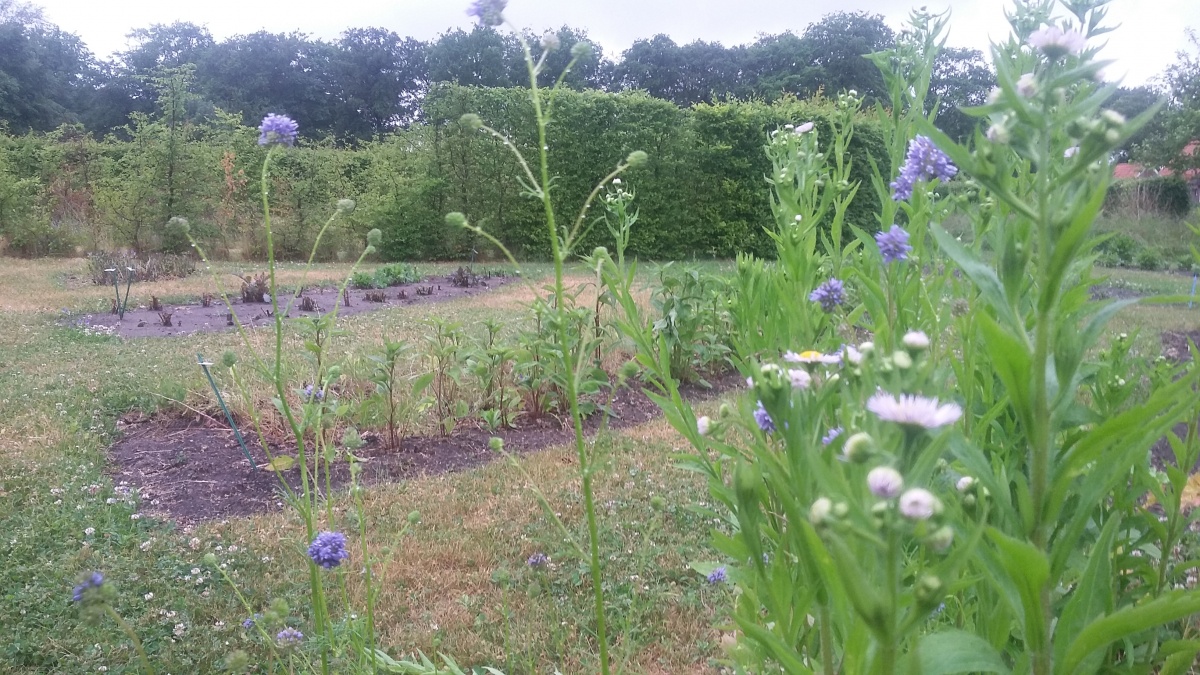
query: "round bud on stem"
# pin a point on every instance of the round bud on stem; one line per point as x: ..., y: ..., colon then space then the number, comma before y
x: 637, y: 158
x: 345, y: 206
x: 456, y: 219
x: 471, y: 121
x: 374, y: 237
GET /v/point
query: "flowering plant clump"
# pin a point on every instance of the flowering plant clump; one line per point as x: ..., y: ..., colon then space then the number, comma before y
x: 278, y: 130
x: 329, y: 549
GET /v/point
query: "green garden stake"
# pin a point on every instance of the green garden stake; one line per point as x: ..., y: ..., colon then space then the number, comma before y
x: 228, y: 415
x: 121, y: 304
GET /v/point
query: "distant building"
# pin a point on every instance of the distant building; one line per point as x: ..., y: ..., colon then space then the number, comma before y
x: 1129, y: 171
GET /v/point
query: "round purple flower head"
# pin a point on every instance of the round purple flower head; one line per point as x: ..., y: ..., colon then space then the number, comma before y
x: 537, y: 560
x: 329, y: 549
x: 764, y: 419
x: 249, y: 623
x: 489, y: 12
x: 289, y: 637
x: 278, y: 130
x: 923, y: 162
x: 893, y: 244
x: 95, y: 580
x: 717, y: 576
x: 830, y: 294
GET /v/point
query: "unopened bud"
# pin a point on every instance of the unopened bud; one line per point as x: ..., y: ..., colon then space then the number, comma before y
x: 637, y: 158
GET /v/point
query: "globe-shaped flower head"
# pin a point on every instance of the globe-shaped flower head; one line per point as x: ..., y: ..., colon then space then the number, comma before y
x: 923, y: 162
x: 830, y: 294
x: 278, y: 130
x: 329, y: 549
x: 893, y: 244
x: 489, y: 12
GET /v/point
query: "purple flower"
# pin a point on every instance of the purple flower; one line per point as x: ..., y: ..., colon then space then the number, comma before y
x: 717, y: 576
x: 278, y: 129
x: 537, y: 560
x: 489, y: 12
x: 1055, y: 42
x: 764, y: 419
x: 310, y: 395
x: 830, y: 294
x: 832, y: 435
x: 289, y: 637
x: 329, y: 549
x: 914, y: 411
x: 249, y: 623
x: 923, y: 162
x: 893, y: 244
x: 94, y: 580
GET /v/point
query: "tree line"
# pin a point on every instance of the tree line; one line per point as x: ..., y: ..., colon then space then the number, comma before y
x: 371, y: 81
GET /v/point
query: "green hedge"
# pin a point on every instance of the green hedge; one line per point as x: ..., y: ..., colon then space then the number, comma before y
x: 1167, y: 195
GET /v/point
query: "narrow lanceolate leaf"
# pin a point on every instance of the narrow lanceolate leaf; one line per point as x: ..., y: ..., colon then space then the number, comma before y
x: 1093, y: 595
x: 1125, y: 622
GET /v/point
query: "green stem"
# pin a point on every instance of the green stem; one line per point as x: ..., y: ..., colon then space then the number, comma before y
x: 568, y: 365
x: 128, y: 630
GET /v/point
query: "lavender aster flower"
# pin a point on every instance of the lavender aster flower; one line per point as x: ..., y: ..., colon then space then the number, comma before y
x: 893, y: 244
x: 885, y: 482
x: 93, y: 581
x: 1055, y: 42
x: 537, y: 560
x: 278, y: 129
x: 913, y: 411
x: 489, y: 12
x: 249, y: 623
x: 764, y: 419
x: 923, y: 162
x: 919, y: 504
x: 717, y: 576
x: 329, y: 549
x: 830, y: 294
x: 289, y: 637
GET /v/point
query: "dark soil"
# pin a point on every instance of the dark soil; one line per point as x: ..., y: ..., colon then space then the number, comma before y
x: 1175, y: 344
x: 192, y: 469
x: 194, y: 318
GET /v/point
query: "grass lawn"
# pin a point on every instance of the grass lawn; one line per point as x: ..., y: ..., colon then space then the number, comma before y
x: 456, y: 583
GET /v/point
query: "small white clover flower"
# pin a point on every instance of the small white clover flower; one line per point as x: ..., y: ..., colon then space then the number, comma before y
x: 914, y: 411
x: 703, y: 425
x: 919, y: 504
x: 90, y: 531
x: 885, y: 482
x: 148, y: 596
x: 800, y: 378
x: 1054, y: 42
x: 916, y: 340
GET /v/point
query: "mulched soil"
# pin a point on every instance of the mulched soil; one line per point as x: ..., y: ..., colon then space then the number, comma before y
x: 1175, y: 344
x: 194, y: 318
x: 192, y: 469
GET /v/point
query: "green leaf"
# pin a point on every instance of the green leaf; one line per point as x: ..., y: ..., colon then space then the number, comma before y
x: 281, y: 463
x: 1093, y: 594
x: 1125, y: 622
x: 1029, y: 571
x: 954, y: 651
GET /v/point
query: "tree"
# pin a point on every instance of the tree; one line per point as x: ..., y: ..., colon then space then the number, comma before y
x: 379, y: 79
x: 698, y: 72
x: 961, y: 78
x: 780, y: 64
x: 1179, y: 123
x: 836, y: 45
x: 480, y: 58
x: 42, y: 70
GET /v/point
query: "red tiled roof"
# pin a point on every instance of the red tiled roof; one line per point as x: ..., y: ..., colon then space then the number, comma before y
x: 1126, y: 171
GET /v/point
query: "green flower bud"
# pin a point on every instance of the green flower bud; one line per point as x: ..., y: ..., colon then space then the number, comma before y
x: 496, y: 444
x: 369, y: 250
x: 902, y: 360
x: 928, y: 591
x: 374, y: 237
x: 237, y: 662
x: 229, y: 359
x: 637, y: 158
x: 334, y: 373
x: 179, y: 224
x: 820, y: 512
x: 345, y: 206
x: 658, y: 503
x: 581, y: 50
x: 941, y: 539
x: 210, y: 559
x: 414, y: 517
x: 629, y: 370
x: 859, y: 448
x: 351, y: 440
x: 471, y: 121
x: 456, y: 219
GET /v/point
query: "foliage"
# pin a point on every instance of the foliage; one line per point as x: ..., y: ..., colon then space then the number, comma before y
x: 153, y: 268
x: 1165, y: 195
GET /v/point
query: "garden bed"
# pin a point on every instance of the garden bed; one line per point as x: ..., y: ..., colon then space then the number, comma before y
x: 190, y: 468
x: 192, y: 318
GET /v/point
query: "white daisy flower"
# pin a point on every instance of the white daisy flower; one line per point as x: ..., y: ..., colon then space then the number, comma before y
x: 812, y: 356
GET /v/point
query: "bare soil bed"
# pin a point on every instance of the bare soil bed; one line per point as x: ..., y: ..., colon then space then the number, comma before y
x: 194, y: 318
x: 190, y: 468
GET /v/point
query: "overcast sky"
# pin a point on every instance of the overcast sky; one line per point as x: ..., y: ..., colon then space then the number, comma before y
x: 1151, y: 30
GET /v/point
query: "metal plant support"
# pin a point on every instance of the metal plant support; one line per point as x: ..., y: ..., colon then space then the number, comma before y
x: 220, y: 399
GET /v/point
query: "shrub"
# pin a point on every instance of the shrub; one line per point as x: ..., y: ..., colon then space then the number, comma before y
x: 1167, y: 195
